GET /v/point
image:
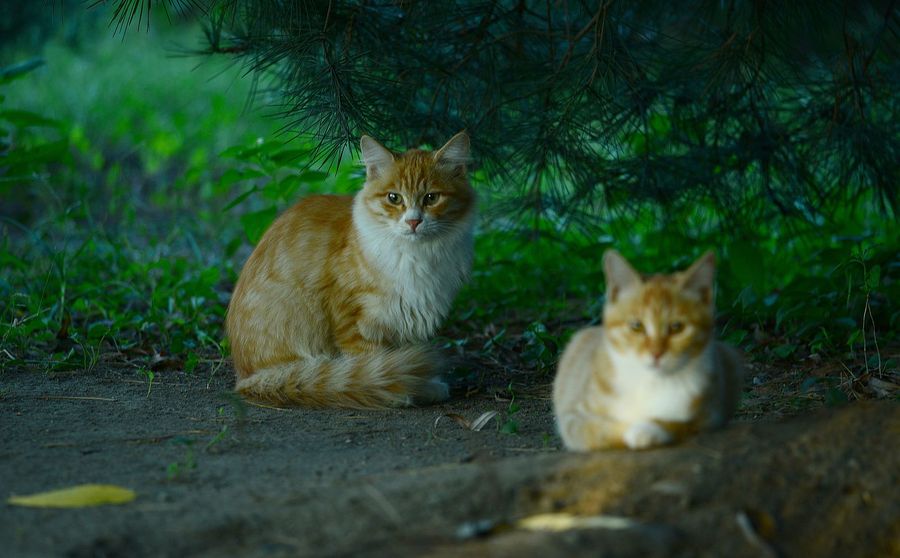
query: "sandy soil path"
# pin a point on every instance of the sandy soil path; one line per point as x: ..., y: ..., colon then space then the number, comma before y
x: 219, y: 478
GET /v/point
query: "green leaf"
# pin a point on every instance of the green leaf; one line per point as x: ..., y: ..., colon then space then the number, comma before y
x: 231, y: 152
x: 209, y: 276
x: 747, y: 298
x: 270, y: 147
x: 288, y: 156
x: 638, y: 142
x: 9, y: 73
x: 240, y: 152
x: 873, y: 278
x: 256, y: 223
x: 313, y: 176
x: 231, y: 176
x: 736, y: 336
x: 785, y: 350
x: 240, y: 198
x: 509, y: 427
x: 286, y: 187
x: 9, y: 261
x: 232, y: 247
x: 747, y: 262
x: 45, y: 153
x: 190, y: 363
x: 782, y: 313
x: 660, y: 124
x: 26, y: 119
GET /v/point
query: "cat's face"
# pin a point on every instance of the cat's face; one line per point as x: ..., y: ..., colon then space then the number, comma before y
x: 418, y: 195
x: 663, y: 321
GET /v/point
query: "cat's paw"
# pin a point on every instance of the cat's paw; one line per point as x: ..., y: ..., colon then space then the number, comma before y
x: 432, y: 391
x: 643, y: 435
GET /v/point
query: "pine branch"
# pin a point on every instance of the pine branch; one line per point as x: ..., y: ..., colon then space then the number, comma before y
x: 582, y: 109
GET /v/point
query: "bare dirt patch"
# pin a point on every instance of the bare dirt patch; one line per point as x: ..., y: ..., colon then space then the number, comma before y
x: 219, y: 477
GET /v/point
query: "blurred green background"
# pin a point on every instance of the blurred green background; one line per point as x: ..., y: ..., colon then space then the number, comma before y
x: 135, y: 177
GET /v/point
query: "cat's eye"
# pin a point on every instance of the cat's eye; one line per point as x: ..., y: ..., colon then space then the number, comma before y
x: 431, y: 198
x: 636, y: 326
x: 394, y: 198
x: 676, y: 327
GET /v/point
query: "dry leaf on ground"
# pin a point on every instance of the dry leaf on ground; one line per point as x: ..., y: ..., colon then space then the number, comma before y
x: 81, y: 496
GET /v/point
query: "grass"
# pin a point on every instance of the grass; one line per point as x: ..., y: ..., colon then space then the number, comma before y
x: 147, y: 180
x: 121, y: 245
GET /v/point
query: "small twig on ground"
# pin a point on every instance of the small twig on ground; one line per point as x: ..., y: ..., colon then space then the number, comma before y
x: 85, y: 398
x: 267, y: 406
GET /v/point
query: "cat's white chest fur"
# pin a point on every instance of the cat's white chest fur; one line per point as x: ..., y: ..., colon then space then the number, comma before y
x: 425, y: 274
x: 641, y: 393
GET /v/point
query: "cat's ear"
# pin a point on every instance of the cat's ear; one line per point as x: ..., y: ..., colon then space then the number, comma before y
x: 700, y: 277
x: 620, y: 276
x: 376, y: 157
x: 455, y: 153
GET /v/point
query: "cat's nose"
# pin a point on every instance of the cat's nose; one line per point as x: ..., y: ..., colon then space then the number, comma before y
x: 413, y: 223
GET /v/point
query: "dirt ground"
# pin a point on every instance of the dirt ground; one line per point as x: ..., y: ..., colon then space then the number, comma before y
x: 217, y: 477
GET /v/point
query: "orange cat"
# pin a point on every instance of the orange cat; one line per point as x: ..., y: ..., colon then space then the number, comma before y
x: 335, y: 305
x: 654, y: 372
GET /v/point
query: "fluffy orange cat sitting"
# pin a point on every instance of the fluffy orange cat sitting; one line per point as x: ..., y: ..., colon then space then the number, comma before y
x: 335, y: 305
x: 654, y: 373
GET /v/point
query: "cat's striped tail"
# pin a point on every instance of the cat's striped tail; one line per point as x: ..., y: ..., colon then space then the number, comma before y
x: 380, y: 379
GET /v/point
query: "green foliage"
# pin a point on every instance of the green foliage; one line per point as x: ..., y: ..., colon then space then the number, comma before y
x: 117, y: 296
x: 818, y: 296
x: 787, y: 294
x: 26, y: 154
x: 186, y: 464
x: 585, y: 111
x: 510, y: 425
x: 276, y: 173
x: 112, y: 230
x: 128, y: 208
x: 150, y: 377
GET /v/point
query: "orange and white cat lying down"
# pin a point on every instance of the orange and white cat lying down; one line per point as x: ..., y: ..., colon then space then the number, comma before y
x: 336, y: 303
x: 653, y: 373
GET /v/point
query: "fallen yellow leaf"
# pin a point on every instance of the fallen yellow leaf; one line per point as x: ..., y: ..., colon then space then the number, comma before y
x: 81, y: 496
x: 565, y: 521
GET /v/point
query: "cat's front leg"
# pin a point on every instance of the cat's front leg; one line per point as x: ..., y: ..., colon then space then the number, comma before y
x: 642, y: 435
x: 586, y: 432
